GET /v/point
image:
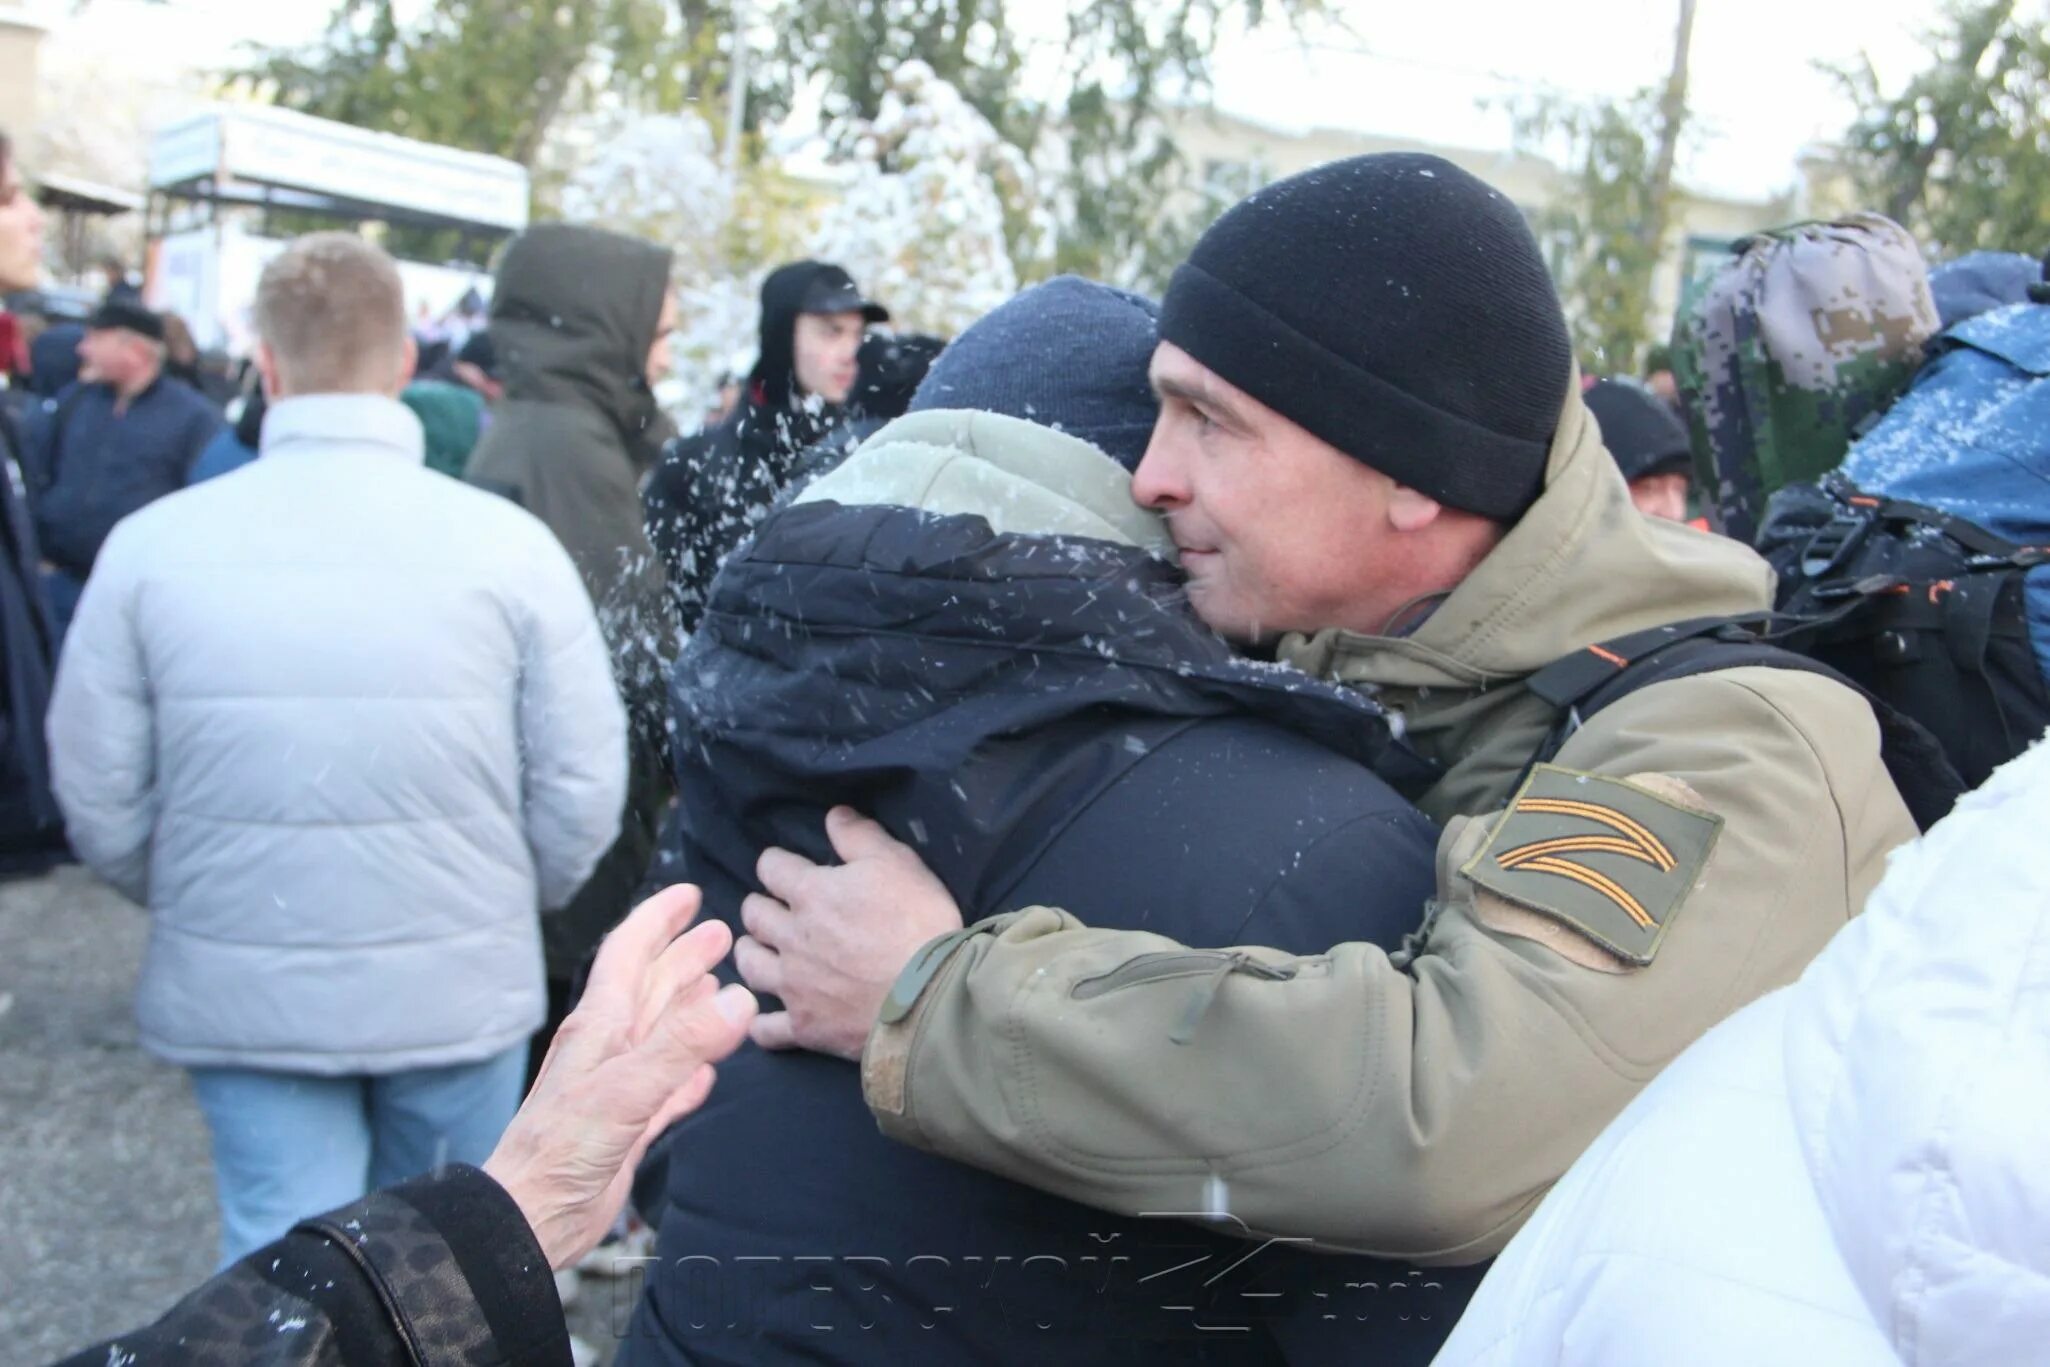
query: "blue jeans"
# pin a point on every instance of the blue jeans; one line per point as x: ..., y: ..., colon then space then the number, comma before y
x: 290, y: 1145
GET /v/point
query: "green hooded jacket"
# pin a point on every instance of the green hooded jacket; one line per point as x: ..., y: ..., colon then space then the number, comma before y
x: 573, y: 319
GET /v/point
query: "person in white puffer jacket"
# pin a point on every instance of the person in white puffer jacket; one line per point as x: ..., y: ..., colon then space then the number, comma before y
x: 1851, y: 1172
x: 346, y: 727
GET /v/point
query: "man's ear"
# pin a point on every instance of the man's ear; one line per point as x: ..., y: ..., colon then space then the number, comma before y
x: 267, y: 368
x: 1410, y: 511
x: 409, y: 361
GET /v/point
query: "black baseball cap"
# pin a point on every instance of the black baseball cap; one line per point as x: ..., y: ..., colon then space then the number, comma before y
x: 832, y: 290
x: 128, y: 315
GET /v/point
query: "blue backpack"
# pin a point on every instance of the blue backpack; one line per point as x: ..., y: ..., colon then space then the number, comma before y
x: 1921, y: 567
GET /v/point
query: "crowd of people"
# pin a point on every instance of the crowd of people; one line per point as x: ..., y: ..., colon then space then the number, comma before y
x: 1198, y: 862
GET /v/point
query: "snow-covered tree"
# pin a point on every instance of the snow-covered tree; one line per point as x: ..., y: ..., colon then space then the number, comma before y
x: 715, y: 337
x: 658, y: 177
x: 922, y: 224
x: 1118, y: 187
x: 655, y: 176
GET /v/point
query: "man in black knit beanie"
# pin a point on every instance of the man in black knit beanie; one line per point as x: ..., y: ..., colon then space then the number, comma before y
x: 1374, y: 458
x: 1391, y: 308
x: 1397, y: 308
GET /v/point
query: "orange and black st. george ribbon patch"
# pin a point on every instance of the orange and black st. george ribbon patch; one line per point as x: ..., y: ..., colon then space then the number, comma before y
x: 1602, y: 856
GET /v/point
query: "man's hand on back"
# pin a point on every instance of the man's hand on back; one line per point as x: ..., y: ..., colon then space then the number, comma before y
x: 830, y: 940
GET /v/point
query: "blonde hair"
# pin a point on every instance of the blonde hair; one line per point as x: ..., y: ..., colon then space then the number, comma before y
x: 333, y: 312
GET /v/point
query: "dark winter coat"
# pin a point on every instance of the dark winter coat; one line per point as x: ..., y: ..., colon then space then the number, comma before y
x: 442, y: 1271
x: 713, y: 486
x: 98, y: 465
x: 31, y: 827
x: 572, y: 321
x: 1042, y: 717
x: 53, y: 359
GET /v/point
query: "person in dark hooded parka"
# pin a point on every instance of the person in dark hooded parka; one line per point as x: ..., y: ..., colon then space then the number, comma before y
x: 969, y: 629
x: 31, y: 827
x: 580, y: 323
x: 713, y: 486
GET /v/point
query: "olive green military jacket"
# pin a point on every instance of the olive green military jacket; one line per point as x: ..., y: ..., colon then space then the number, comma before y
x: 1697, y: 842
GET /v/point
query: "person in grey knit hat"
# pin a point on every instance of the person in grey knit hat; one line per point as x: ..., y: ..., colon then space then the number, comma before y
x: 968, y: 626
x: 1069, y: 354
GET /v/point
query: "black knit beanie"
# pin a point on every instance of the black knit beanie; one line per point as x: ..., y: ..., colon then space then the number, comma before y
x: 1396, y: 307
x: 1640, y: 429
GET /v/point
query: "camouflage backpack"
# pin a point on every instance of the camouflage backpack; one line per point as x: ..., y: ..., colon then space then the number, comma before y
x: 1793, y: 347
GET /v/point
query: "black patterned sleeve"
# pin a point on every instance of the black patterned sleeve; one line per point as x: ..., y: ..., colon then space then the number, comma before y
x: 439, y: 1272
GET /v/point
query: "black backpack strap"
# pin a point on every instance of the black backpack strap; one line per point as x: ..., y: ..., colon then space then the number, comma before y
x: 1581, y: 684
x: 1976, y: 608
x: 1861, y: 507
x: 1970, y: 611
x: 1567, y: 683
x: 1969, y: 605
x: 1968, y: 534
x: 1928, y: 782
x: 1859, y: 512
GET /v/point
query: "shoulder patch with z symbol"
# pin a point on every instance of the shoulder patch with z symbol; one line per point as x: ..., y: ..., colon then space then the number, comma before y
x: 1608, y: 859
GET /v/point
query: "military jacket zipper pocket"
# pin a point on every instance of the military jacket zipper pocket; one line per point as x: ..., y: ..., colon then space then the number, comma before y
x: 1214, y: 965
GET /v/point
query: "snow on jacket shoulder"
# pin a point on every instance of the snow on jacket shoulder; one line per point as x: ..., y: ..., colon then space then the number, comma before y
x: 345, y: 726
x: 1848, y: 1173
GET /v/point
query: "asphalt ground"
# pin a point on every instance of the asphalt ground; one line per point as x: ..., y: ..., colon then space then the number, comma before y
x: 106, y: 1188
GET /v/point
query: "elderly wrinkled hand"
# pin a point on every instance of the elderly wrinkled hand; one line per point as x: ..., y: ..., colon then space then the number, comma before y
x: 831, y: 939
x: 635, y: 1057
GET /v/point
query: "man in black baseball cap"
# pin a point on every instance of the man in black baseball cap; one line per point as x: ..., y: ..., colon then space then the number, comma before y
x: 828, y: 290
x: 813, y: 318
x: 711, y: 486
x: 118, y: 314
x: 125, y: 435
